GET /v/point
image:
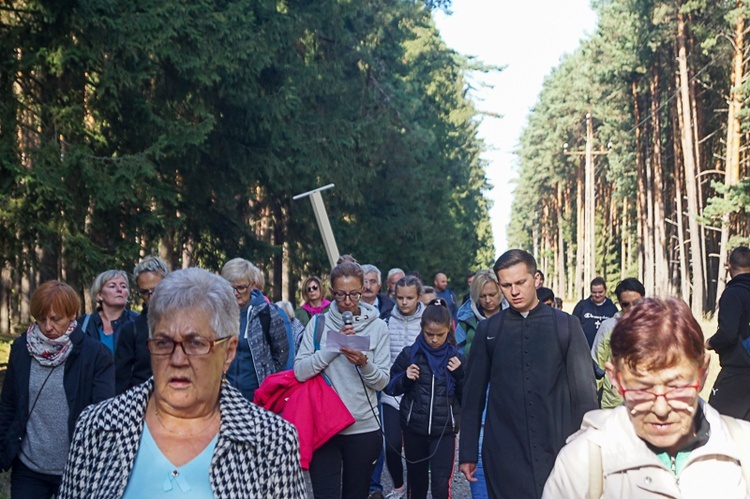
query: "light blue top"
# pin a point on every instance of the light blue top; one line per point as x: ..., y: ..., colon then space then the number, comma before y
x: 154, y: 476
x: 108, y: 340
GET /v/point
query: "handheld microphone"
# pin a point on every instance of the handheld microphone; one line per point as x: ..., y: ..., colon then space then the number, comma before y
x: 348, y: 318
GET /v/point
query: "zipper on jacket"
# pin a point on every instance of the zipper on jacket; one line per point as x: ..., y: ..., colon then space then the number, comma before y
x: 453, y: 419
x: 432, y: 399
x: 673, y: 464
x: 411, y: 408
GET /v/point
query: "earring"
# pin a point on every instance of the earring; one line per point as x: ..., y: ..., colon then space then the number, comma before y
x: 224, y: 378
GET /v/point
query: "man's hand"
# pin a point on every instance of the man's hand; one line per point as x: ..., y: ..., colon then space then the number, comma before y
x: 468, y: 469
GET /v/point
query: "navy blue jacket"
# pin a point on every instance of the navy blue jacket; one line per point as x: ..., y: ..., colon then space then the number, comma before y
x: 89, y: 377
x: 95, y: 323
x: 133, y: 360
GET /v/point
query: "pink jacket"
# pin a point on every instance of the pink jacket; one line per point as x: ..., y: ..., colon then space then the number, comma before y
x: 313, y: 407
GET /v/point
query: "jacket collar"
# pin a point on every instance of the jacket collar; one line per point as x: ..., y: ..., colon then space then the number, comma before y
x: 129, y: 409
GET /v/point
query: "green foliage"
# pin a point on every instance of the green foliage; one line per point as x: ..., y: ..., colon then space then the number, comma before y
x: 188, y: 127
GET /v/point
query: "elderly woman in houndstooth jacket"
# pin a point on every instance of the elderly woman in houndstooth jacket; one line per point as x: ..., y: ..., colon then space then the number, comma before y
x: 184, y: 430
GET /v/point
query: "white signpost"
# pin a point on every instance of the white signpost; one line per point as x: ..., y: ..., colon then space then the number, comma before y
x: 329, y: 241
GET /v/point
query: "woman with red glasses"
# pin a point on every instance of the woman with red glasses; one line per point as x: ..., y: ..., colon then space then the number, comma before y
x: 312, y: 292
x: 664, y: 441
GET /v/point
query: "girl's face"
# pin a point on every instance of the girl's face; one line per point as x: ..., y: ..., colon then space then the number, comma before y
x: 435, y: 334
x: 407, y: 299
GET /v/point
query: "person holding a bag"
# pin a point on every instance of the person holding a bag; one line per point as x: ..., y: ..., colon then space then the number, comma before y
x: 342, y: 467
x: 54, y: 372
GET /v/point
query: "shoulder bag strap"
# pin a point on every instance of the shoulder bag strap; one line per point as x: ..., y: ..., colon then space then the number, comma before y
x: 596, y: 476
x: 85, y: 323
x: 742, y: 441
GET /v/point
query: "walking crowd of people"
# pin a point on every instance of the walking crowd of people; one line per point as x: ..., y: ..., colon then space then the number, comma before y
x: 213, y: 390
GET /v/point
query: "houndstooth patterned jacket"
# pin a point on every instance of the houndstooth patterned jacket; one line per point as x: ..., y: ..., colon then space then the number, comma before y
x: 256, y: 455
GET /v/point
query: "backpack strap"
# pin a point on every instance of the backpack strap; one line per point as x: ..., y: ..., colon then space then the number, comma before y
x: 742, y: 441
x: 596, y: 476
x: 85, y: 323
x: 319, y: 325
x: 563, y: 331
x: 491, y: 346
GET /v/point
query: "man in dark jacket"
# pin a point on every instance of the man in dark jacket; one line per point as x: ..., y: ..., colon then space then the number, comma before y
x: 133, y: 362
x: 731, y: 392
x: 595, y: 309
x: 537, y: 365
x: 371, y: 292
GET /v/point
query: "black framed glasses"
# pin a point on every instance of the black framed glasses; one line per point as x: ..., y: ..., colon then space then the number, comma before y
x: 341, y: 296
x: 313, y: 287
x: 145, y: 293
x: 241, y: 288
x: 192, y: 347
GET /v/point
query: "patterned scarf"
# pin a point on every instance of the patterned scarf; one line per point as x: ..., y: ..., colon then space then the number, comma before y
x: 47, y: 351
x: 437, y: 358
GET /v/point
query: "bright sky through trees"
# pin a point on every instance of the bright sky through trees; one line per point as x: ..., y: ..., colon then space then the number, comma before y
x: 528, y: 37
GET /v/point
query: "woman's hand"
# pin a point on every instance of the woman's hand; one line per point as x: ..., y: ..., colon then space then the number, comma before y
x: 454, y: 364
x: 412, y: 372
x: 354, y: 356
x: 347, y: 330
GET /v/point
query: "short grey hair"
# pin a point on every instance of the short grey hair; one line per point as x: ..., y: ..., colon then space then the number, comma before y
x: 104, y: 278
x: 151, y: 264
x: 238, y: 269
x: 286, y: 307
x: 195, y: 288
x: 481, y: 279
x: 368, y: 268
x: 393, y: 272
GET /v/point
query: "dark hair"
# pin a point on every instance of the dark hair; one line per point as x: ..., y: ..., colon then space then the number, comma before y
x: 437, y: 313
x: 514, y: 257
x: 599, y: 281
x: 630, y: 284
x: 347, y: 268
x: 541, y: 274
x: 657, y: 334
x: 545, y: 294
x: 54, y: 295
x: 740, y: 257
x: 409, y: 280
x: 346, y: 258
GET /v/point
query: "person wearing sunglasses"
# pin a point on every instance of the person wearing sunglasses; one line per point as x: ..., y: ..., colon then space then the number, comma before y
x: 185, y: 432
x: 315, y: 303
x: 133, y: 362
x: 343, y: 466
x: 664, y: 440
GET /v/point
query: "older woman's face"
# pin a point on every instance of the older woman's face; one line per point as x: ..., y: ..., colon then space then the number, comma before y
x: 667, y: 424
x: 114, y: 293
x: 190, y: 384
x: 54, y: 325
x: 347, y: 291
x: 489, y: 298
x: 242, y: 291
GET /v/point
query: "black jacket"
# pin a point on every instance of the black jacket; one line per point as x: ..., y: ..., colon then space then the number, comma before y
x: 88, y: 378
x: 385, y: 305
x: 133, y: 361
x: 95, y: 323
x: 426, y: 409
x: 734, y: 325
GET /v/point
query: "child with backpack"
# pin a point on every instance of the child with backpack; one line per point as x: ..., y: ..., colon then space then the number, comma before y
x: 430, y: 375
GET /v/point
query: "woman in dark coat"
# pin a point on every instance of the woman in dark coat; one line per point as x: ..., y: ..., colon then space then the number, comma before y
x: 54, y: 372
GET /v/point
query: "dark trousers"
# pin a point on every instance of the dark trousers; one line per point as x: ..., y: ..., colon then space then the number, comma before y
x: 26, y: 483
x: 393, y: 444
x: 731, y: 394
x: 342, y: 467
x: 423, y: 470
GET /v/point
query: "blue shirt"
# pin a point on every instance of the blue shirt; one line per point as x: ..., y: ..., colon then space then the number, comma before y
x: 108, y: 340
x: 154, y: 476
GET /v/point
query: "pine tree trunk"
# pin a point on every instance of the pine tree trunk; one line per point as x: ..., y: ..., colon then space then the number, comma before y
x: 685, y: 117
x: 732, y: 158
x: 661, y: 266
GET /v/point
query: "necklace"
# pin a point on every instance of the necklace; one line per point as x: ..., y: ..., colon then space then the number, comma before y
x: 184, y: 433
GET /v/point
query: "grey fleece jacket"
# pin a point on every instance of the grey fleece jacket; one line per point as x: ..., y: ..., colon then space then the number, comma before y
x: 342, y: 373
